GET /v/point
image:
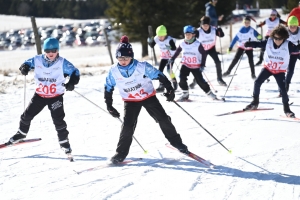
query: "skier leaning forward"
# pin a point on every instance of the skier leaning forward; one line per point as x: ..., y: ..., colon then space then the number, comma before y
x: 276, y: 61
x: 193, y: 60
x: 50, y: 71
x: 133, y: 78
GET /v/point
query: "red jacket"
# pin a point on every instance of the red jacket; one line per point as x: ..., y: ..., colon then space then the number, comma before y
x: 295, y: 12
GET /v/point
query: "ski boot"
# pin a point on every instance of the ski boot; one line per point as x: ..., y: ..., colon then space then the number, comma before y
x: 118, y: 158
x: 221, y: 82
x: 287, y: 111
x: 253, y: 105
x: 211, y: 95
x: 226, y: 73
x: 65, y: 146
x: 184, y: 96
x: 181, y: 147
x: 19, y: 136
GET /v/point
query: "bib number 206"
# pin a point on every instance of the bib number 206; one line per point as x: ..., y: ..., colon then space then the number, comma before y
x: 51, y: 89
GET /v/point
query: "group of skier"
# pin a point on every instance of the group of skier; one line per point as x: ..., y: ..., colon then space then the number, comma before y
x: 134, y: 78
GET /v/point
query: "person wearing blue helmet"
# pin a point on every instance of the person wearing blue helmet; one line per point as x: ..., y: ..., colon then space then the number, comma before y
x: 50, y: 72
x: 193, y: 60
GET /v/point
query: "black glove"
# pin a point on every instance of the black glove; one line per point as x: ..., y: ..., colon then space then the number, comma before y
x: 220, y: 32
x: 74, y: 80
x: 247, y: 44
x: 69, y: 86
x: 113, y: 111
x: 257, y: 26
x: 24, y: 69
x: 149, y: 40
x: 170, y: 95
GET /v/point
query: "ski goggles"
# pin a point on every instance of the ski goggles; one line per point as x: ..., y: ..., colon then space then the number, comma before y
x: 277, y: 38
x: 51, y: 50
x: 124, y: 58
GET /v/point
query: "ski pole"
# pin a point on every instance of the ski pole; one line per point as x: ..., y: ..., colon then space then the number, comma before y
x: 24, y: 93
x: 202, y: 127
x: 221, y: 52
x: 233, y: 75
x: 209, y: 82
x: 108, y: 113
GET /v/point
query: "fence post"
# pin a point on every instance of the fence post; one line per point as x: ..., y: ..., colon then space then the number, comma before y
x: 36, y: 36
x: 108, y: 46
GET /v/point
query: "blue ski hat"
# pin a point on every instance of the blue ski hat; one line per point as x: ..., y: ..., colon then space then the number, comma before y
x: 188, y: 29
x: 51, y: 43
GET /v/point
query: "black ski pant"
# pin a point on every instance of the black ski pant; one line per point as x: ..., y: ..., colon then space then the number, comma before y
x: 238, y: 56
x: 280, y: 79
x: 185, y: 72
x: 56, y: 107
x: 155, y: 110
x: 163, y: 63
x: 214, y: 55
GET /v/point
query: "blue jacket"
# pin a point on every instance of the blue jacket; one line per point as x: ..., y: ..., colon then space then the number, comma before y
x: 242, y: 30
x: 126, y: 71
x: 67, y: 66
x: 210, y: 11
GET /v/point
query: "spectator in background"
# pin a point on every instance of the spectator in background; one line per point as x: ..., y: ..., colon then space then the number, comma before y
x: 210, y: 11
x: 295, y: 12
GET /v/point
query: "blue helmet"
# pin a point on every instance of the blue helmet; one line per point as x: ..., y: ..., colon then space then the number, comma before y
x: 51, y: 43
x: 188, y: 29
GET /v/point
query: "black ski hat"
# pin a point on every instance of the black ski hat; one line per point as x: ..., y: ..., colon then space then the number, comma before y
x: 124, y: 48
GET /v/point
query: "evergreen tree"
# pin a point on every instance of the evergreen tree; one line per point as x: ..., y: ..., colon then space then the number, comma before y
x: 292, y: 4
x: 136, y: 15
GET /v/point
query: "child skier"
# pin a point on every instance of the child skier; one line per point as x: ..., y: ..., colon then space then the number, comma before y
x: 207, y: 37
x: 50, y: 71
x: 193, y: 60
x: 244, y: 34
x: 133, y: 79
x: 276, y: 61
x: 167, y: 48
x: 294, y: 37
x: 271, y: 23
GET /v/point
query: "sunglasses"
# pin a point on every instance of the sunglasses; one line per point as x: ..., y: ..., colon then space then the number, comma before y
x: 273, y: 15
x: 51, y: 50
x: 124, y: 58
x: 277, y: 38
